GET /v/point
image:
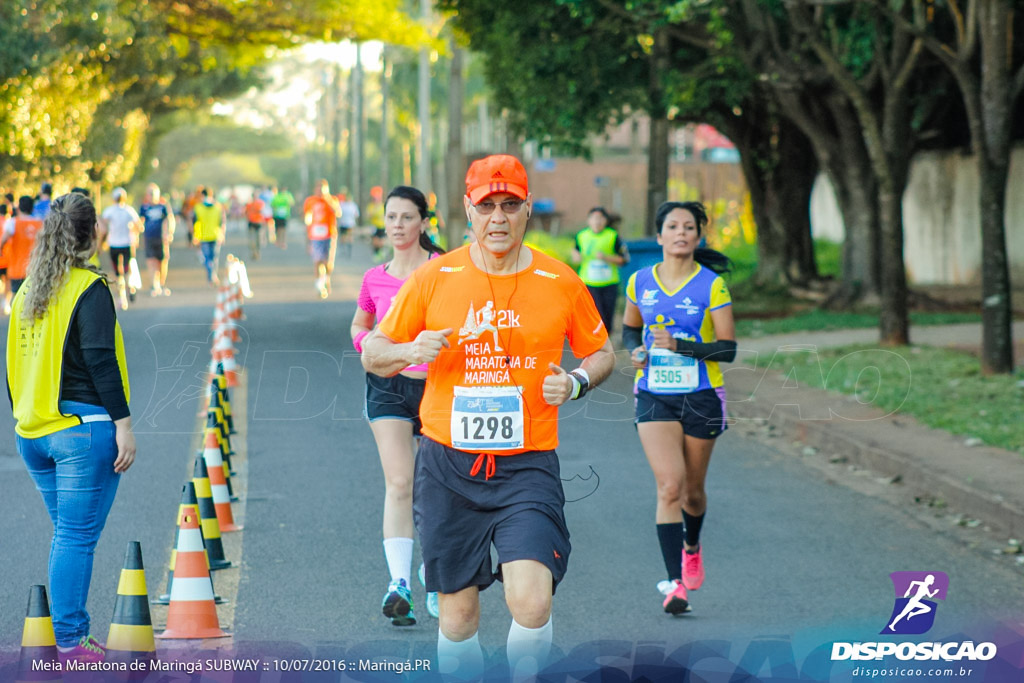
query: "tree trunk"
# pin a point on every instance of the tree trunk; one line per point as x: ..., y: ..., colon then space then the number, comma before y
x: 658, y: 147
x: 854, y: 187
x: 358, y: 133
x: 896, y: 137
x: 423, y: 110
x: 335, y: 99
x: 833, y: 132
x: 790, y: 201
x: 996, y: 309
x: 455, y: 160
x: 385, y: 138
x: 993, y: 152
x: 893, y: 317
x: 779, y: 167
x: 771, y: 235
x: 851, y: 165
x: 657, y: 170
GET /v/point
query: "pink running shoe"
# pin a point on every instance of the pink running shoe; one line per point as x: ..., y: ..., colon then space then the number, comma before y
x: 676, y: 602
x: 693, y: 569
x: 87, y: 650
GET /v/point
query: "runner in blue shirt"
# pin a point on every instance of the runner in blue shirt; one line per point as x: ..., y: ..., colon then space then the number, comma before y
x: 678, y: 324
x: 158, y: 230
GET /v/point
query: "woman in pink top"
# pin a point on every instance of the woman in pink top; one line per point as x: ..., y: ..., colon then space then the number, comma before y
x: 393, y: 404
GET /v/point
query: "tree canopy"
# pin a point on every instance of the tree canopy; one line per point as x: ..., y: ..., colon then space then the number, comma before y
x: 81, y: 81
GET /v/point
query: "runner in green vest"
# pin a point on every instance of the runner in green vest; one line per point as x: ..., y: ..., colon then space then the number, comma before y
x: 599, y: 252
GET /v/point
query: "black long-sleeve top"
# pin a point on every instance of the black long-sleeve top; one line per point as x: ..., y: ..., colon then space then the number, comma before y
x: 91, y: 374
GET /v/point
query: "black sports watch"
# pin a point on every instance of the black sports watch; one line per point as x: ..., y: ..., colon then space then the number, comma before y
x: 581, y: 377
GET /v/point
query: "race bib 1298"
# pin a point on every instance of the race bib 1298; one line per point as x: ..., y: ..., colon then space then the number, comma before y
x: 487, y: 418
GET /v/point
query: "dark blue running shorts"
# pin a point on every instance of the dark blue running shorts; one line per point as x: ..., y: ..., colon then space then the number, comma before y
x: 519, y: 510
x: 394, y: 398
x: 702, y: 413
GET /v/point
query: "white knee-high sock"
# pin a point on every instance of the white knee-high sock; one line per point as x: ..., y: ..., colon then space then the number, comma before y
x: 528, y: 650
x: 463, y: 659
x: 398, y: 553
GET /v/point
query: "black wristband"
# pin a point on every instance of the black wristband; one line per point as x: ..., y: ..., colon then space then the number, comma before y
x: 632, y: 337
x: 722, y: 351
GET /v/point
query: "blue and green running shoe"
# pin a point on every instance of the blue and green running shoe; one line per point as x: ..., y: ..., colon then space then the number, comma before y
x: 397, y: 604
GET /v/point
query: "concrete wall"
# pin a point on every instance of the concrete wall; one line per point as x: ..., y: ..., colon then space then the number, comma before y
x: 620, y: 185
x: 942, y: 230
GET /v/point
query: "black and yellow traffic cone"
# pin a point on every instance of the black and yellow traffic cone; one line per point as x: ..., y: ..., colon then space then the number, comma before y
x: 208, y: 517
x: 131, y: 628
x: 222, y: 430
x: 225, y: 397
x: 38, y: 660
x: 217, y: 409
x: 188, y: 499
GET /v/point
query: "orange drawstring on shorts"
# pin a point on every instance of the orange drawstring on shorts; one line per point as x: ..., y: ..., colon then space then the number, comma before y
x: 491, y: 466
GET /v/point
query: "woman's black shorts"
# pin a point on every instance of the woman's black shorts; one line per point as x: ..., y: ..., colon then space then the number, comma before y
x: 394, y: 398
x: 702, y: 413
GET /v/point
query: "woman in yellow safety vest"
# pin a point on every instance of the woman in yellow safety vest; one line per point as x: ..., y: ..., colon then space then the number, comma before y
x: 68, y: 384
x: 599, y: 252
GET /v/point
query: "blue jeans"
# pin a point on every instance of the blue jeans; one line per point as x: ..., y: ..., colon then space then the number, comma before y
x: 210, y: 254
x: 74, y: 471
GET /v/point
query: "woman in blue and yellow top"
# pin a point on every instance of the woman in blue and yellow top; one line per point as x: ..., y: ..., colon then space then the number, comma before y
x: 678, y: 325
x: 599, y: 252
x: 68, y: 385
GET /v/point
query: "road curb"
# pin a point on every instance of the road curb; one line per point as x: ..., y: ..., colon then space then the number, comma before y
x: 984, y: 483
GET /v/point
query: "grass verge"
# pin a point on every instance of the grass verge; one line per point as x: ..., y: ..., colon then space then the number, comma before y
x: 815, y: 320
x: 942, y: 388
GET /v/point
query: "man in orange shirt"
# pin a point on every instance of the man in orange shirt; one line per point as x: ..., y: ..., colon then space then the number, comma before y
x: 491, y: 319
x: 5, y: 211
x: 321, y: 212
x: 20, y: 232
x: 254, y: 216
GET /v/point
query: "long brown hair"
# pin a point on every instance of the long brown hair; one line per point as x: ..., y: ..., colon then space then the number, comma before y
x: 65, y: 242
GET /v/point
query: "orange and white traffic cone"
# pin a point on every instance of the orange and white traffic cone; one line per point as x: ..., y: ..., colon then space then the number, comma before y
x: 131, y: 629
x: 38, y: 660
x: 218, y: 482
x: 221, y: 318
x: 188, y: 500
x: 224, y: 352
x: 192, y: 612
x: 208, y: 517
x: 225, y: 451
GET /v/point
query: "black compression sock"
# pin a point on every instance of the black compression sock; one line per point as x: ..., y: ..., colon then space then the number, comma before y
x: 670, y: 536
x: 693, y: 525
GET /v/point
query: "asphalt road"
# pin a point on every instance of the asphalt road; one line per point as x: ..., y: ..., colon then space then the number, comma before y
x: 789, y: 552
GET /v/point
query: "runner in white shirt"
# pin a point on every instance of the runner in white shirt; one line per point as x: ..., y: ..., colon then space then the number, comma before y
x: 121, y: 226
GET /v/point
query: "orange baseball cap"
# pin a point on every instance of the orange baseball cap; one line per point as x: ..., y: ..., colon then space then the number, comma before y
x: 496, y: 173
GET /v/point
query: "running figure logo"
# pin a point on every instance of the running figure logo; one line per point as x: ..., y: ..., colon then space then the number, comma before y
x: 478, y: 322
x: 914, y: 613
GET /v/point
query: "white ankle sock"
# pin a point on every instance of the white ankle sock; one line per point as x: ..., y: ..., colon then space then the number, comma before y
x: 528, y: 650
x: 398, y: 553
x: 463, y: 659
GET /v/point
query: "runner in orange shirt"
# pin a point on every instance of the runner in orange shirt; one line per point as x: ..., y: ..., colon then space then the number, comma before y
x: 19, y: 235
x: 5, y: 287
x: 491, y: 319
x: 254, y: 216
x: 321, y: 213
